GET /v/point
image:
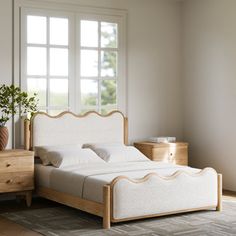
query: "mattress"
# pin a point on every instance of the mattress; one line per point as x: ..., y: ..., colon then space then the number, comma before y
x: 87, y: 181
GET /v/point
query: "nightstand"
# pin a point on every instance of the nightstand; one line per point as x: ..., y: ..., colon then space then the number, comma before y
x: 17, y: 173
x: 176, y: 153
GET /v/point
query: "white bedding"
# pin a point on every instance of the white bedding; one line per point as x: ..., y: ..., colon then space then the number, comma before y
x: 87, y: 181
x: 186, y: 190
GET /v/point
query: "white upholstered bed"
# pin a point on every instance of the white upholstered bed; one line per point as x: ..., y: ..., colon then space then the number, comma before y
x: 116, y: 191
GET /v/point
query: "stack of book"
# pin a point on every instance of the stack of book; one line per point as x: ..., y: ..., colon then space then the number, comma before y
x: 162, y: 139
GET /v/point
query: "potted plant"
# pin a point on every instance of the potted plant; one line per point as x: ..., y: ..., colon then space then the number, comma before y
x: 13, y: 101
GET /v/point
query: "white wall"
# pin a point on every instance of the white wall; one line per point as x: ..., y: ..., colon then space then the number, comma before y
x: 6, y: 48
x: 154, y: 88
x: 210, y: 85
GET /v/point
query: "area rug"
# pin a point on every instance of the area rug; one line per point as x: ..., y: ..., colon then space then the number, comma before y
x: 66, y: 221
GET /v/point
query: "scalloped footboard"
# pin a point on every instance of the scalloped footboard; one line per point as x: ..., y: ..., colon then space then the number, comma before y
x: 156, y: 195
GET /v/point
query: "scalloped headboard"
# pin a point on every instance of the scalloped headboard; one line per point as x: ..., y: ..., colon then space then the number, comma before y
x: 68, y: 128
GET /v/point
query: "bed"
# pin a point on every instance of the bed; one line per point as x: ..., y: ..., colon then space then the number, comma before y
x: 108, y: 189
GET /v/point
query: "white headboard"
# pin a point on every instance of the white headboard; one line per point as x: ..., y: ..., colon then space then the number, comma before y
x: 68, y: 128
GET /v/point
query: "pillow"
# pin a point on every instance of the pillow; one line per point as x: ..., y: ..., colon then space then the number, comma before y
x: 41, y: 151
x: 63, y: 158
x: 117, y: 152
x: 102, y: 145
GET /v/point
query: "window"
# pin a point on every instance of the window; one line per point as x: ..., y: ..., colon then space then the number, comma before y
x: 47, y: 49
x: 98, y: 68
x: 73, y: 61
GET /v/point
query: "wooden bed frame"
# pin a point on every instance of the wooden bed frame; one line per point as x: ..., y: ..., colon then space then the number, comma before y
x: 105, y: 209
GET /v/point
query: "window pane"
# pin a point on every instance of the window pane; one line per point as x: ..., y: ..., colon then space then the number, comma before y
x: 58, y: 31
x: 59, y: 61
x: 106, y: 110
x: 108, y: 35
x: 55, y: 112
x: 58, y: 92
x: 108, y: 64
x: 83, y: 111
x: 38, y: 86
x: 36, y: 61
x: 89, y: 92
x: 36, y: 29
x: 89, y: 63
x: 42, y: 110
x: 89, y: 33
x: 108, y: 92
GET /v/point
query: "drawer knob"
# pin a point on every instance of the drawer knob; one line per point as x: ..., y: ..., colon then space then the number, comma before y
x: 9, y: 181
x: 8, y: 165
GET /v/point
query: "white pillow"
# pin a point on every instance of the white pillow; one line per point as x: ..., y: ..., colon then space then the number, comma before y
x: 102, y: 145
x: 63, y: 158
x: 41, y: 151
x: 117, y: 153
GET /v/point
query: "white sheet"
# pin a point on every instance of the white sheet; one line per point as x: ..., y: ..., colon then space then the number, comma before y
x: 87, y: 181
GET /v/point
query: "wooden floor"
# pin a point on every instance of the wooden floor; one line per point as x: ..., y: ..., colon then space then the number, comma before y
x: 9, y: 228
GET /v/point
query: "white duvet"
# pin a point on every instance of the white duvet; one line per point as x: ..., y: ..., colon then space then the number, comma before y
x: 87, y: 181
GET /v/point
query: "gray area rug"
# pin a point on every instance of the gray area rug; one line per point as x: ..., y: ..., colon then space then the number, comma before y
x: 65, y: 221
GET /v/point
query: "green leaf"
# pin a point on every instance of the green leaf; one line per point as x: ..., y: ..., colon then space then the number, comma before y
x: 14, y: 101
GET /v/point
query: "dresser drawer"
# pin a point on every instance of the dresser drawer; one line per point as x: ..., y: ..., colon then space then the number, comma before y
x: 15, y: 164
x: 17, y: 181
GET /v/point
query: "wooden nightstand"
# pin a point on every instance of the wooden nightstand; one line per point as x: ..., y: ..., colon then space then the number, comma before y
x: 176, y: 153
x: 17, y: 172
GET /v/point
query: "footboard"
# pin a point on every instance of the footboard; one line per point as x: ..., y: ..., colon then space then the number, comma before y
x: 155, y: 195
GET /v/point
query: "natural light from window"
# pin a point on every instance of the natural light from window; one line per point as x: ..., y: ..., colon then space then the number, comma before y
x: 98, y: 67
x: 70, y: 62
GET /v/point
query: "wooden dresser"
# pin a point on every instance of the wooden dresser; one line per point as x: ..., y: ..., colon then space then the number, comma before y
x: 176, y: 153
x: 17, y: 172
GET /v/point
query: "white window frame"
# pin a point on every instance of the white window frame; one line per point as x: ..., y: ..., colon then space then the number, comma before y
x: 121, y: 73
x: 71, y: 10
x: 71, y: 58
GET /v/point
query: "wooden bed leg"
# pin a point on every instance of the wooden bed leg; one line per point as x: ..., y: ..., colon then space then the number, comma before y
x: 107, y: 207
x: 219, y: 204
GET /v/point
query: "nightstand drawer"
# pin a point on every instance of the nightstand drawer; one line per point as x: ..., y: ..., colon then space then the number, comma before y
x: 160, y: 154
x: 17, y: 172
x: 179, y: 153
x: 15, y: 164
x: 170, y: 159
x: 17, y: 181
x: 177, y: 161
x: 176, y: 153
